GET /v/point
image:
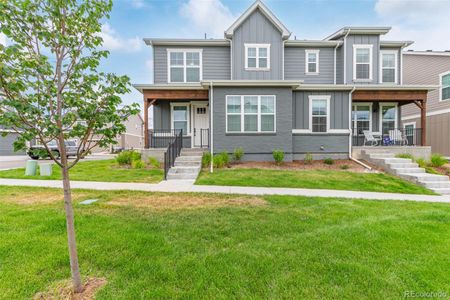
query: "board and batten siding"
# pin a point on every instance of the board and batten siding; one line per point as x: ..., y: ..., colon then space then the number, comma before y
x: 358, y: 39
x: 339, y: 114
x: 425, y: 69
x: 215, y: 62
x: 257, y: 146
x: 295, y: 60
x: 257, y: 29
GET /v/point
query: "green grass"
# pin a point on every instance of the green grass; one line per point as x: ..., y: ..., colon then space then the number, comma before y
x: 293, y: 247
x: 311, y: 179
x: 95, y: 170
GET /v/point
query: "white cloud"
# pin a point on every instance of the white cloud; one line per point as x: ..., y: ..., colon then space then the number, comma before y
x: 3, y: 39
x: 112, y: 41
x: 207, y: 16
x: 138, y: 3
x: 426, y: 22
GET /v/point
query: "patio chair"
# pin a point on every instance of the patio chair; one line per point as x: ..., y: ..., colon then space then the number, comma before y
x: 398, y: 137
x: 370, y: 138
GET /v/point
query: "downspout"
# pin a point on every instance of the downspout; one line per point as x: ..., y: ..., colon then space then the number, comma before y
x: 282, y: 58
x: 350, y: 100
x: 335, y: 63
x: 345, y: 56
x: 211, y: 134
x: 231, y: 57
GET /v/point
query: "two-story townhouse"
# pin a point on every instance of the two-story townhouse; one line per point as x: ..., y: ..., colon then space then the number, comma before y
x: 430, y: 67
x: 260, y: 90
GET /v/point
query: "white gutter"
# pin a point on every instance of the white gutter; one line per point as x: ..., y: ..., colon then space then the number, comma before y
x: 345, y: 56
x: 335, y: 64
x: 211, y: 135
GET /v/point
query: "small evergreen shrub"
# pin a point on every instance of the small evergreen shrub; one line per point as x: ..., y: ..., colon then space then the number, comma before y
x: 137, y: 164
x: 206, y: 159
x: 225, y: 158
x: 344, y: 167
x: 278, y: 156
x: 308, y: 159
x: 328, y: 161
x: 218, y: 161
x: 438, y: 160
x: 135, y: 155
x: 405, y: 155
x: 238, y: 154
x: 124, y: 158
x: 154, y: 163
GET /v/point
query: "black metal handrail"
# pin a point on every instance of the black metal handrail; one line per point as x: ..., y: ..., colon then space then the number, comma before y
x: 161, y: 138
x: 172, y: 152
x: 391, y: 137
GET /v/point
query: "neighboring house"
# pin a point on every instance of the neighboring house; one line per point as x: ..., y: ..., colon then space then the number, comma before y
x: 430, y: 67
x: 259, y: 90
x: 6, y: 142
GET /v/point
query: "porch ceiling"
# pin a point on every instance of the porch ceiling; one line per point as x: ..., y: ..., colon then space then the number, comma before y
x: 406, y: 97
x: 163, y: 94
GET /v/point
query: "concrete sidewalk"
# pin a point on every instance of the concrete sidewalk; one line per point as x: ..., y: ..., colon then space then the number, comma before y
x: 188, y: 186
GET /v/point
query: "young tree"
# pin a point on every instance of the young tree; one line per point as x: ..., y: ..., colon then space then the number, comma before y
x: 51, y: 88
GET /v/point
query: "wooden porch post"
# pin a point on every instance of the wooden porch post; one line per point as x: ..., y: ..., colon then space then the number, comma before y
x: 146, y: 142
x: 423, y: 121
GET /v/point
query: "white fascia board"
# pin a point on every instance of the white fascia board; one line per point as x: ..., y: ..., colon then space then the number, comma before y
x: 358, y: 30
x: 188, y: 86
x: 312, y: 43
x: 186, y: 42
x: 433, y: 53
x: 396, y: 44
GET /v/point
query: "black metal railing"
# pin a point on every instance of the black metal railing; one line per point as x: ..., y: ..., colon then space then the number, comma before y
x: 161, y: 138
x: 392, y: 137
x: 172, y: 152
x: 201, y: 137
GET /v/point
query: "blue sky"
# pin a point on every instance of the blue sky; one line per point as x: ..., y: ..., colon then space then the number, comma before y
x: 427, y: 22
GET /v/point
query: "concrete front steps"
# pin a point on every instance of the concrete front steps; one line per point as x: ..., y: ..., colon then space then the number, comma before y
x: 407, y: 169
x: 187, y: 166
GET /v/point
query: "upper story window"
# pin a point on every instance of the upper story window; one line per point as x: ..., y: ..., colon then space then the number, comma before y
x: 362, y: 62
x: 312, y: 62
x: 184, y: 65
x: 250, y: 113
x: 319, y: 113
x: 257, y: 57
x: 445, y: 86
x: 388, y: 73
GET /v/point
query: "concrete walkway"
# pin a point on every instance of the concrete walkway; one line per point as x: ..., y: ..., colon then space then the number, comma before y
x: 188, y: 186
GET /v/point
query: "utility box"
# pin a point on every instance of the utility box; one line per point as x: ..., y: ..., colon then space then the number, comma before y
x: 31, y: 168
x: 46, y: 169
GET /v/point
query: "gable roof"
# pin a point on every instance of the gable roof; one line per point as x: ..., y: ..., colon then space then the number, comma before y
x: 285, y: 33
x: 358, y: 30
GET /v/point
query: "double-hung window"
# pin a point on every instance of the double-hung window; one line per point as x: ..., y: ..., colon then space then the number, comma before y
x: 180, y: 117
x: 250, y: 113
x: 319, y: 112
x: 445, y: 86
x: 312, y: 62
x: 185, y: 65
x: 388, y: 66
x: 362, y: 62
x: 257, y: 57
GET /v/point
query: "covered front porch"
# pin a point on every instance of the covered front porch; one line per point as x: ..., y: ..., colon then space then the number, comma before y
x: 376, y: 118
x: 176, y: 111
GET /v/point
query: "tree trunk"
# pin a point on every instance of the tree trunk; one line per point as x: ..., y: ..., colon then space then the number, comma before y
x: 70, y: 223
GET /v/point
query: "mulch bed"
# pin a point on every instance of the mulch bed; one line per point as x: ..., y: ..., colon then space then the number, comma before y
x: 339, y: 164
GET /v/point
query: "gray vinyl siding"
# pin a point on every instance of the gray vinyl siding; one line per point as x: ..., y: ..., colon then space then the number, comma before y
x: 339, y: 114
x: 340, y: 65
x: 294, y: 64
x: 6, y: 145
x: 262, y: 145
x: 257, y: 29
x: 215, y: 60
x: 320, y: 143
x: 357, y: 39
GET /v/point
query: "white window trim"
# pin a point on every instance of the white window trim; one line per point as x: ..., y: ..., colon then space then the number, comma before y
x: 257, y: 46
x: 200, y: 51
x: 370, y: 104
x: 259, y: 114
x: 319, y: 97
x: 188, y: 111
x: 409, y: 123
x: 363, y: 46
x: 307, y: 52
x: 441, y: 87
x: 395, y: 52
x: 380, y: 128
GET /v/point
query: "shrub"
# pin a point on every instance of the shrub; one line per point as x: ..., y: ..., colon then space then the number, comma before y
x: 278, y: 156
x: 328, y: 161
x: 135, y: 155
x: 238, y: 154
x: 137, y: 164
x: 218, y: 161
x: 225, y: 158
x: 344, y: 167
x: 405, y: 155
x: 422, y: 162
x: 206, y: 159
x: 153, y: 162
x: 437, y: 160
x: 308, y: 159
x: 124, y: 158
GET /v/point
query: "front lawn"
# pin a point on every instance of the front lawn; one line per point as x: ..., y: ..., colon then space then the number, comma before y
x: 150, y: 245
x: 311, y: 179
x: 95, y: 170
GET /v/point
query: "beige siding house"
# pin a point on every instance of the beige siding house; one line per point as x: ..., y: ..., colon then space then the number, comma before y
x: 431, y: 68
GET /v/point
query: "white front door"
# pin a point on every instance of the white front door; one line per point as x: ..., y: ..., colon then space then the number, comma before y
x: 201, y: 125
